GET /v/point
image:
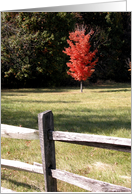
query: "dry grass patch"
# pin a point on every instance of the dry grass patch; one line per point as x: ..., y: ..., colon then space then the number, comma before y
x: 126, y: 177
x: 102, y: 166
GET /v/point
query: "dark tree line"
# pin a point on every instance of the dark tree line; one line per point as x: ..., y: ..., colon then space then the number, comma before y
x: 113, y: 42
x: 32, y: 44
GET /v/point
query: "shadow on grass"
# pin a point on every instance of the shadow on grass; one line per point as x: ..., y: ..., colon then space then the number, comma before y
x: 89, y: 121
x: 19, y: 118
x: 18, y: 184
x: 105, y: 121
x: 44, y: 101
x: 86, y: 125
x: 118, y: 86
x: 35, y: 90
x: 118, y: 90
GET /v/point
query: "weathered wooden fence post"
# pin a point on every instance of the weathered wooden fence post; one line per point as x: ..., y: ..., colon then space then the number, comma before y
x: 46, y: 123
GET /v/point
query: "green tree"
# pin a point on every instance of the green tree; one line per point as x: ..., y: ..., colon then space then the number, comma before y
x: 32, y: 46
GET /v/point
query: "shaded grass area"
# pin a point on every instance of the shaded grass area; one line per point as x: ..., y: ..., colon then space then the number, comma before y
x: 102, y: 110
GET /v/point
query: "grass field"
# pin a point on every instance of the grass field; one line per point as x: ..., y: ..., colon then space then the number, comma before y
x: 100, y: 109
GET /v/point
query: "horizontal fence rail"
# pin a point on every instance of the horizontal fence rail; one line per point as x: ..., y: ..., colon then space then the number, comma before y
x: 114, y: 143
x: 87, y: 183
x: 14, y: 132
x: 77, y: 180
x: 21, y: 166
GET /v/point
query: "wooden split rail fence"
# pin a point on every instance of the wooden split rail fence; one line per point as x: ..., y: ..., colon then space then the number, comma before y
x: 47, y: 136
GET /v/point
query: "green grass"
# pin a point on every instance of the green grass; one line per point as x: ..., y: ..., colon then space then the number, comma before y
x: 102, y: 110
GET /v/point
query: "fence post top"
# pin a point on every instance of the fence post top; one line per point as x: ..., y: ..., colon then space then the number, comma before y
x: 44, y: 113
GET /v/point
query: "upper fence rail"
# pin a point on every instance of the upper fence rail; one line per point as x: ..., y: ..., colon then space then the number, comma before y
x: 100, y: 141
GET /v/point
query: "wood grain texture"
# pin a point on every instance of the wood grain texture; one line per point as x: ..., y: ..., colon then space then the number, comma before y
x: 107, y: 142
x: 87, y: 183
x: 45, y: 123
x: 17, y: 165
x: 10, y: 131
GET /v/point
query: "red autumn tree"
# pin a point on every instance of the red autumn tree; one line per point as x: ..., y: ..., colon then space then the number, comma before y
x: 81, y: 65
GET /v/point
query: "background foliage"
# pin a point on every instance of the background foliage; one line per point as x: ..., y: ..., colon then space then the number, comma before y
x: 32, y: 44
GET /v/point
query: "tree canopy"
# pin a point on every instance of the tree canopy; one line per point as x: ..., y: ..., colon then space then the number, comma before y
x: 32, y: 44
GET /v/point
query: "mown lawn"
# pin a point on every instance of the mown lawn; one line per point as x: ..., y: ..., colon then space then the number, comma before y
x: 102, y: 110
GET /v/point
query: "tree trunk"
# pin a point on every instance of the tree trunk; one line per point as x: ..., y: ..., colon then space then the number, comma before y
x: 81, y: 86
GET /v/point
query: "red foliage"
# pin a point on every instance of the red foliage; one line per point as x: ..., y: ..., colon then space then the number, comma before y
x: 81, y: 65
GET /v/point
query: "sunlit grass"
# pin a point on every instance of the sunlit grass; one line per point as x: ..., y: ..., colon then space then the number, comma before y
x: 102, y: 110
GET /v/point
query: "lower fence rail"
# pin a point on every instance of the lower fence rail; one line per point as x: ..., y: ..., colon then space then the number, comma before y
x: 87, y: 183
x: 21, y: 166
x: 74, y: 179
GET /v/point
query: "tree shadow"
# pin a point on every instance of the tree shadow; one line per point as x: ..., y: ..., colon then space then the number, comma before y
x: 93, y: 123
x: 116, y: 87
x: 89, y: 121
x: 118, y: 90
x: 47, y: 102
x: 35, y: 90
x: 110, y: 86
x: 18, y: 184
x: 24, y: 118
